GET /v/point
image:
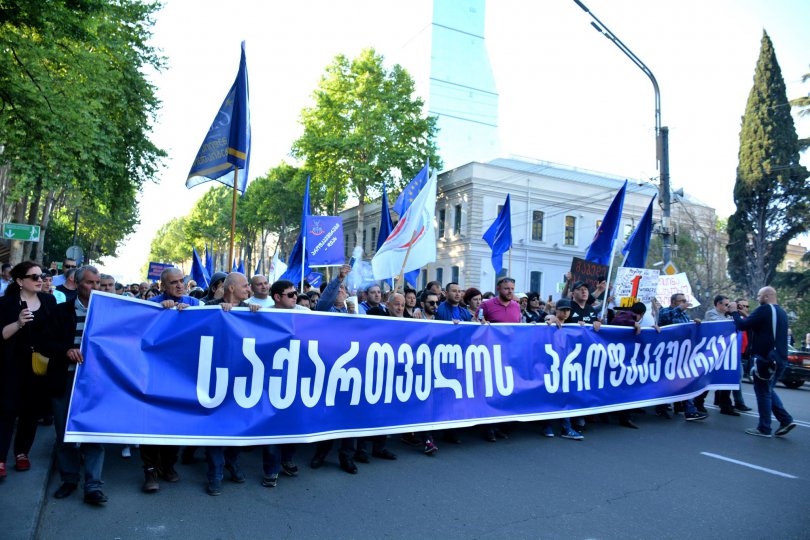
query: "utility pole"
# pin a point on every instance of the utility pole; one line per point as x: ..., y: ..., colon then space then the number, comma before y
x: 661, y: 133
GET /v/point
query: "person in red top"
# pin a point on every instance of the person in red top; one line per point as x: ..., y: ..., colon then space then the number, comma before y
x: 502, y: 308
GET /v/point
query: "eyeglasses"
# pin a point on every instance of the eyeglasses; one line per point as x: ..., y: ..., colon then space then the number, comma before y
x: 291, y: 294
x: 34, y: 277
x: 431, y: 302
x: 68, y: 266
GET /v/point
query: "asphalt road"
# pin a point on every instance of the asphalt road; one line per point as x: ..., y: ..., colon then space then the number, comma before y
x: 670, y: 479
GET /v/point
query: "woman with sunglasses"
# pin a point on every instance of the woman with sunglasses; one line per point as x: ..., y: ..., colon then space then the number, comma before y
x: 26, y: 318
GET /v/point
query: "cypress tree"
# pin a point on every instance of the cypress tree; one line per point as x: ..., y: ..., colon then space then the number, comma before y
x: 771, y: 191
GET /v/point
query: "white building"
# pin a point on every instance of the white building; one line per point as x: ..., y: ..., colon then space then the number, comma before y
x: 555, y: 211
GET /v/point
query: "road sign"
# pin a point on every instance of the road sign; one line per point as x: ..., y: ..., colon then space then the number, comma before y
x: 75, y: 252
x: 19, y: 231
x: 669, y: 269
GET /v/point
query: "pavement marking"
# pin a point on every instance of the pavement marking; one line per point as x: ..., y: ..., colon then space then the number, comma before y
x: 755, y: 414
x: 749, y: 465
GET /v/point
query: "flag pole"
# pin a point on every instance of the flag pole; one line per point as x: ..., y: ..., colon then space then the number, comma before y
x: 233, y: 212
x: 607, y: 288
x: 405, y: 261
x: 303, y: 256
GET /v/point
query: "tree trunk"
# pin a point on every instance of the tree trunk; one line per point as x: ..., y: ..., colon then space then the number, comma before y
x: 361, y: 212
x: 16, y: 246
x: 43, y: 225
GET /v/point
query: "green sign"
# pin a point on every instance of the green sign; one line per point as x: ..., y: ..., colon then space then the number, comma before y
x: 18, y: 231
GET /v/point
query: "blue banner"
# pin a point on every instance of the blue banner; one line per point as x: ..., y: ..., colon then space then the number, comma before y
x: 157, y: 268
x: 203, y: 376
x: 325, y: 246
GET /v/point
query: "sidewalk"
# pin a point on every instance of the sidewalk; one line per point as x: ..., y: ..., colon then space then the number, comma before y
x: 23, y: 493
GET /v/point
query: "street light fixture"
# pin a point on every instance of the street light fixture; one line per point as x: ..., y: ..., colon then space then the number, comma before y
x: 661, y: 133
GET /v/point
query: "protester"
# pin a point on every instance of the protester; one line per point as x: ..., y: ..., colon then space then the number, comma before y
x: 739, y: 401
x: 260, y: 288
x: 533, y: 313
x: 768, y: 325
x: 107, y: 283
x: 373, y: 299
x: 67, y: 265
x: 722, y: 398
x: 302, y: 300
x: 27, y: 318
x: 47, y: 287
x: 215, y: 289
x: 472, y: 299
x: 5, y: 278
x: 68, y: 286
x: 581, y: 309
x: 410, y: 302
x: 451, y: 309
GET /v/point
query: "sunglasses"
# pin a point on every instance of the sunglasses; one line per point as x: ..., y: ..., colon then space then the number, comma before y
x: 292, y: 294
x: 34, y: 277
x: 68, y: 266
x: 432, y: 303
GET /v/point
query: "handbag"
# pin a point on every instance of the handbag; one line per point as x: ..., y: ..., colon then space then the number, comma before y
x: 764, y: 367
x: 39, y: 363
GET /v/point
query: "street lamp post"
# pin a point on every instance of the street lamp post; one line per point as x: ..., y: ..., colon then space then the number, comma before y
x: 661, y: 133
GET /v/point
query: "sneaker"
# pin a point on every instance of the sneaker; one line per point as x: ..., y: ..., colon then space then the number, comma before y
x: 65, y: 490
x: 169, y: 474
x: 579, y: 423
x: 785, y: 429
x: 573, y: 435
x: 548, y: 432
x: 126, y: 453
x: 430, y: 448
x: 214, y: 488
x: 95, y: 497
x: 22, y: 462
x: 742, y: 408
x: 150, y: 483
x: 692, y: 417
x: 757, y: 432
x: 385, y: 453
x: 270, y: 480
x: 236, y: 473
x: 289, y: 468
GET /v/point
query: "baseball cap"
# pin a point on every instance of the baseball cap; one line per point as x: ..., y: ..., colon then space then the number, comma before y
x: 563, y: 303
x: 579, y: 284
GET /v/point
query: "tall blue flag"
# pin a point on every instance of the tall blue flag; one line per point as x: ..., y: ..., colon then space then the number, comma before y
x: 499, y: 235
x: 234, y: 268
x: 258, y: 268
x: 209, y: 260
x: 293, y: 272
x: 404, y: 201
x: 601, y: 249
x: 227, y: 144
x: 198, y: 272
x: 635, y: 250
x: 241, y: 267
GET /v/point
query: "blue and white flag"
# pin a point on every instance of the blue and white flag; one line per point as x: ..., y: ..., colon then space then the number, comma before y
x: 601, y: 249
x: 499, y: 235
x: 315, y: 279
x: 288, y: 376
x: 411, y: 191
x: 227, y: 144
x: 325, y: 246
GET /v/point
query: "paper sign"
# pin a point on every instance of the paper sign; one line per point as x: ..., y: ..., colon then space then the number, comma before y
x: 590, y: 273
x: 669, y: 285
x: 634, y: 285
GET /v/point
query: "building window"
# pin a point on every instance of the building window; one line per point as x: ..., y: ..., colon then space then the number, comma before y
x: 346, y: 244
x: 536, y: 282
x: 570, y: 230
x: 440, y: 275
x: 457, y: 221
x: 373, y: 244
x: 537, y: 225
x: 454, y: 274
x: 442, y: 215
x: 364, y: 240
x: 424, y: 278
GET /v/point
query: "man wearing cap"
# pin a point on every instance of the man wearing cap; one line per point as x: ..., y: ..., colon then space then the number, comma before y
x: 581, y: 311
x: 215, y: 288
x: 561, y: 316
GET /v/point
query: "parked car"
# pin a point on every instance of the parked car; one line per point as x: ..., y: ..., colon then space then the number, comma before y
x: 796, y: 373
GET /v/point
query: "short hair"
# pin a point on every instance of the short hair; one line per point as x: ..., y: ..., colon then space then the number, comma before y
x: 119, y: 286
x: 471, y: 293
x: 280, y: 286
x: 66, y: 259
x: 80, y: 273
x: 639, y: 308
x: 310, y: 294
x: 71, y: 274
x: 5, y: 267
x: 409, y: 290
x: 106, y: 276
x: 323, y: 286
x: 533, y: 296
x: 302, y: 296
x: 719, y: 298
x: 446, y: 287
x: 167, y: 272
x: 426, y: 293
x: 504, y: 279
x: 372, y: 286
x: 432, y: 283
x: 675, y: 296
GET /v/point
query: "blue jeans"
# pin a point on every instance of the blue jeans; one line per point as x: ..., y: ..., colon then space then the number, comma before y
x: 274, y: 454
x: 217, y: 457
x: 69, y: 455
x: 768, y: 400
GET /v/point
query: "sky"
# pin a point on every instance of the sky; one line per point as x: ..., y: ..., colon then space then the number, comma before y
x: 566, y: 93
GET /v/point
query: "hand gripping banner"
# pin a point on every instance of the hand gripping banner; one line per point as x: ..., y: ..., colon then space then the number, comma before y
x: 203, y: 376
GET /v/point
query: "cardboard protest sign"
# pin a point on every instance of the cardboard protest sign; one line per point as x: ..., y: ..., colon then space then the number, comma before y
x: 669, y: 285
x: 634, y: 285
x: 590, y: 273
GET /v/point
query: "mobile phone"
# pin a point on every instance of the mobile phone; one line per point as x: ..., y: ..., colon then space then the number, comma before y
x: 480, y: 313
x: 352, y: 261
x: 24, y: 304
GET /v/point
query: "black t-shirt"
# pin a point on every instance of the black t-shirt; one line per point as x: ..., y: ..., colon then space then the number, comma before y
x: 588, y: 314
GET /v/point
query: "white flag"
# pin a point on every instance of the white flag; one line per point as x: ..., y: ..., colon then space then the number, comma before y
x: 416, y: 229
x: 277, y: 269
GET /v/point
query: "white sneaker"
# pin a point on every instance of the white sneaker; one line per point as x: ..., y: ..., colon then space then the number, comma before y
x: 126, y: 453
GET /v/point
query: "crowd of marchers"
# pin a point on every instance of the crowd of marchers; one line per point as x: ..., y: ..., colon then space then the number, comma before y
x: 42, y: 319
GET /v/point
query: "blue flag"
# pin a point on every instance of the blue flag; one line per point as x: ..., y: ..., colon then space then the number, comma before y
x: 293, y: 272
x: 258, y: 268
x: 499, y: 236
x: 601, y: 248
x: 315, y: 279
x: 635, y: 250
x: 411, y: 190
x: 386, y: 225
x: 209, y: 260
x: 227, y: 144
x: 198, y: 272
x: 234, y: 268
x: 241, y: 267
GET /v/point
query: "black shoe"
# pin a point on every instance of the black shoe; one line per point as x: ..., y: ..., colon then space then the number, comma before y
x: 742, y: 408
x: 489, y: 435
x: 236, y: 473
x: 214, y: 488
x: 169, y: 474
x: 64, y: 490
x: 411, y: 439
x: 729, y: 412
x: 289, y: 468
x: 361, y: 457
x: 348, y: 465
x: 317, y: 461
x: 701, y: 409
x: 95, y: 497
x: 626, y: 422
x: 691, y: 417
x: 150, y: 483
x: 385, y: 453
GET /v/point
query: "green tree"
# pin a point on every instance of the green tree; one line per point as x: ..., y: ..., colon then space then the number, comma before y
x: 771, y: 191
x: 75, y: 113
x: 803, y: 104
x: 170, y: 245
x: 365, y: 128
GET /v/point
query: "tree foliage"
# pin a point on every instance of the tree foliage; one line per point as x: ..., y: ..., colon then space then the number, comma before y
x: 365, y: 128
x: 75, y: 112
x: 771, y: 191
x: 169, y: 244
x: 803, y: 104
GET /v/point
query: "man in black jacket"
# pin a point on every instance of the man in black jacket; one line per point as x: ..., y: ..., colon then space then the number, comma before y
x: 767, y: 339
